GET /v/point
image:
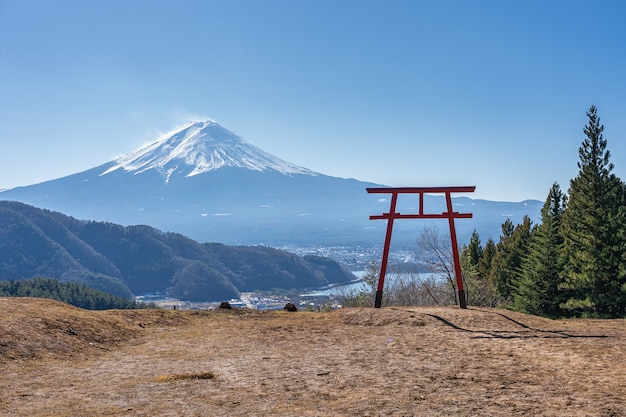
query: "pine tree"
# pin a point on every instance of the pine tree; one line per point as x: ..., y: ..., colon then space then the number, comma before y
x: 510, y: 251
x: 593, y: 229
x: 537, y: 291
x: 475, y: 251
x: 476, y: 264
x: 486, y: 260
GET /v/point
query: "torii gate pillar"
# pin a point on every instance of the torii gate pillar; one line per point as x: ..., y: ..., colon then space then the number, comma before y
x: 449, y: 214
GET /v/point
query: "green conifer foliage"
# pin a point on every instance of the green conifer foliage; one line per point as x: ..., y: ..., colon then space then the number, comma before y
x: 476, y: 264
x: 78, y: 295
x: 537, y: 291
x: 486, y: 260
x: 510, y: 251
x: 593, y: 231
x: 474, y: 249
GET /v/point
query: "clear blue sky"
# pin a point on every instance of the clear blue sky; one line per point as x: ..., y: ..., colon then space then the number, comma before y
x: 402, y: 93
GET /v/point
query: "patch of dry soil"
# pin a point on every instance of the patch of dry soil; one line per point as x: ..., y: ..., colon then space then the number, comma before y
x: 57, y: 360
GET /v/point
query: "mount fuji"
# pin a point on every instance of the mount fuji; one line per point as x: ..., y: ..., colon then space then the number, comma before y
x: 208, y: 183
x: 198, y: 148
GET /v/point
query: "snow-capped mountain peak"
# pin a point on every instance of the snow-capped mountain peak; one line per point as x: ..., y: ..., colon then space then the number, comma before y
x: 200, y: 147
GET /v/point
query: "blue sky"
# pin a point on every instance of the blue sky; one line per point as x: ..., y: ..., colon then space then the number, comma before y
x: 401, y: 93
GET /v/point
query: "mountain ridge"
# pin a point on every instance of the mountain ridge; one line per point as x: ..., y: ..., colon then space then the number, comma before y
x: 242, y: 196
x: 141, y: 259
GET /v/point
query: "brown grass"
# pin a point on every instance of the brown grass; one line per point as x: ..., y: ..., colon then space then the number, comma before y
x: 180, y: 377
x: 57, y: 360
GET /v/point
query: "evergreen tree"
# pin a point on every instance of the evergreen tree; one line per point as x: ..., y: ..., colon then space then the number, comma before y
x: 475, y: 251
x: 78, y: 295
x: 537, y: 291
x: 474, y: 261
x: 486, y: 260
x: 593, y: 231
x: 510, y: 251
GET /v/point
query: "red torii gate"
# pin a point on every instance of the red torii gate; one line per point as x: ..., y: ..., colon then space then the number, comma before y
x: 450, y: 215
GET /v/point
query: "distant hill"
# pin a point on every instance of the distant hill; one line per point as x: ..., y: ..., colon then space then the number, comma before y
x: 212, y: 185
x: 140, y: 259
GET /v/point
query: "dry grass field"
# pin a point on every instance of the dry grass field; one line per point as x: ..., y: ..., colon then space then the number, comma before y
x: 56, y: 360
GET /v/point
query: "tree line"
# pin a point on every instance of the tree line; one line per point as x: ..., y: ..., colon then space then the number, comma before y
x: 78, y: 295
x: 572, y: 264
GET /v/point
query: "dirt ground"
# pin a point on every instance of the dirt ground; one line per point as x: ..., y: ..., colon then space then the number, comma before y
x: 56, y: 360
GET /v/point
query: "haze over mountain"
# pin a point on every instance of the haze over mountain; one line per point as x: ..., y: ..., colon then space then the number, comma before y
x: 140, y: 259
x: 212, y: 185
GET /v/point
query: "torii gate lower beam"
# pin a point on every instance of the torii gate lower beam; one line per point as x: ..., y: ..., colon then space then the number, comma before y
x: 449, y: 214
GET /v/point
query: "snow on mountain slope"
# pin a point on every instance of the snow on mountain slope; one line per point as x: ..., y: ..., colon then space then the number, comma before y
x: 210, y: 184
x: 200, y: 147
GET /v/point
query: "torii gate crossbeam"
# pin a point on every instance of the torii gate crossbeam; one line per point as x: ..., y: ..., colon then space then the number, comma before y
x: 449, y: 214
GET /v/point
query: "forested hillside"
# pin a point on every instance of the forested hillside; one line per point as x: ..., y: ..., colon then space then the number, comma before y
x: 139, y: 259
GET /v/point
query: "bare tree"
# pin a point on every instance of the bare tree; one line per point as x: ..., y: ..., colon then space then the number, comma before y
x: 411, y: 287
x: 414, y: 288
x: 436, y: 254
